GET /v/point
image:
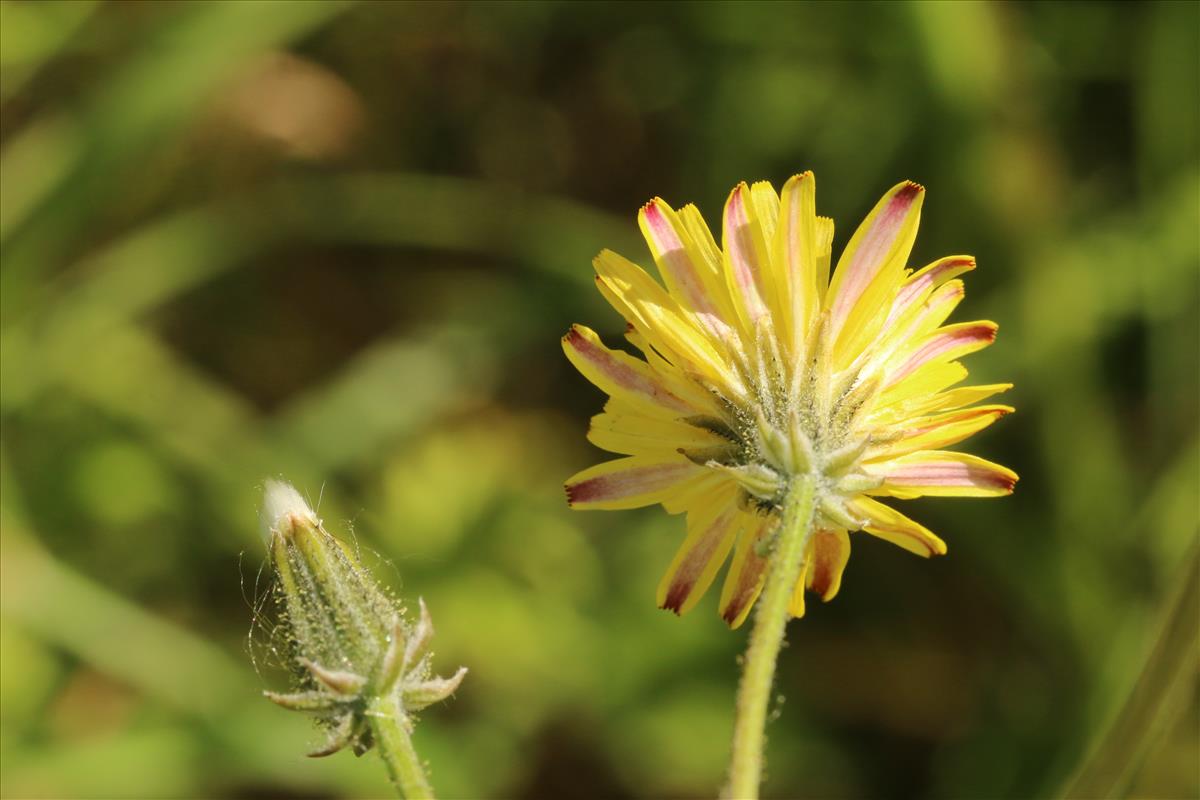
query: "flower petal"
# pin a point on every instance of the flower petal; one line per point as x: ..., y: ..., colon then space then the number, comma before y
x: 870, y: 268
x: 925, y: 316
x: 678, y: 382
x: 796, y: 604
x: 630, y: 482
x: 659, y: 319
x: 941, y: 473
x: 689, y: 277
x: 940, y: 401
x: 765, y: 205
x: 620, y: 374
x: 746, y: 260
x: 924, y: 383
x: 935, y: 432
x: 629, y: 432
x: 945, y: 344
x: 896, y: 343
x: 795, y: 249
x: 744, y: 580
x: 825, y: 229
x: 829, y: 551
x: 889, y: 524
x: 925, y: 280
x: 711, y: 533
x: 822, y: 570
x: 696, y: 491
x: 706, y: 246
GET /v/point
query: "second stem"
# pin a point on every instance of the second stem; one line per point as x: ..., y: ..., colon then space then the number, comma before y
x: 770, y: 619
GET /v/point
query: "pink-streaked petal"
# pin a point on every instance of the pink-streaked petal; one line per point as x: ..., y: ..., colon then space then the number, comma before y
x: 630, y: 482
x: 924, y: 316
x: 895, y: 342
x: 675, y: 379
x: 890, y: 525
x: 745, y: 258
x: 620, y: 374
x: 940, y: 473
x: 709, y: 540
x: 937, y: 307
x: 765, y: 210
x: 882, y: 242
x: 617, y: 294
x: 925, y: 280
x: 660, y: 320
x: 688, y: 278
x: 946, y: 344
x: 744, y: 580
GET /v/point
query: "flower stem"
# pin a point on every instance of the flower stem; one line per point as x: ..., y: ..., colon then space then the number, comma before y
x: 396, y: 749
x: 770, y: 619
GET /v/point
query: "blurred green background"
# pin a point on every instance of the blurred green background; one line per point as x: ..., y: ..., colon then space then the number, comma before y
x: 339, y: 243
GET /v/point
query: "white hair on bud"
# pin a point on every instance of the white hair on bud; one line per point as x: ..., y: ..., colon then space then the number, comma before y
x: 280, y: 499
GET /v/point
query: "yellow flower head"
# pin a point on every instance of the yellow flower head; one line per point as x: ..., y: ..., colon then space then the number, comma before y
x: 759, y: 368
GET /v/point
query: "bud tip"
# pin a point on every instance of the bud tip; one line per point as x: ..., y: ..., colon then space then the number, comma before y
x: 280, y: 499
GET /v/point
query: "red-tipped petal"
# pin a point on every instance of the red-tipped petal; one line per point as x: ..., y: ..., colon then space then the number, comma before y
x: 706, y: 548
x: 926, y: 279
x: 946, y: 344
x: 941, y: 473
x: 630, y: 482
x: 882, y: 242
x: 619, y: 374
x: 744, y: 580
x: 828, y: 553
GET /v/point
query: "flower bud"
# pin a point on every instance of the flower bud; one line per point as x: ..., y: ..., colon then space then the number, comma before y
x: 350, y: 645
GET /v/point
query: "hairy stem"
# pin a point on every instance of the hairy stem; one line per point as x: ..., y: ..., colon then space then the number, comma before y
x: 396, y: 749
x: 770, y: 619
